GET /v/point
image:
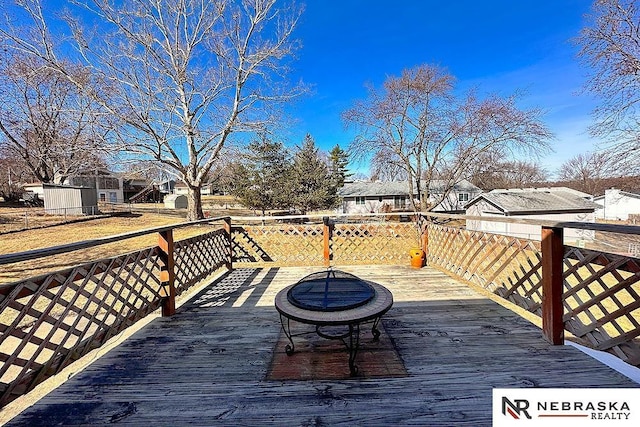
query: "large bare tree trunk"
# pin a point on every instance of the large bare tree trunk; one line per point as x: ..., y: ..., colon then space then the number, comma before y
x: 194, y: 204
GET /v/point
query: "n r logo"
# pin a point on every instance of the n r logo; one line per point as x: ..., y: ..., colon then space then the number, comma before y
x: 516, y: 408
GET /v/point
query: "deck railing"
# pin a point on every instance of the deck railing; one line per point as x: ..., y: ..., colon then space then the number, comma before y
x: 49, y: 321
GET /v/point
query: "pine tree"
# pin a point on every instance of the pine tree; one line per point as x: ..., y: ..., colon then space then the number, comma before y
x: 311, y: 183
x: 260, y: 179
x: 338, y: 161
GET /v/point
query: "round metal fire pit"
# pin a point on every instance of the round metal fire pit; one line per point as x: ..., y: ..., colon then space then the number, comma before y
x: 330, y: 299
x: 331, y: 290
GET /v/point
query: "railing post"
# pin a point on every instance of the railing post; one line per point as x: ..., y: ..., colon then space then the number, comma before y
x: 326, y: 234
x: 424, y: 236
x: 552, y: 284
x: 229, y: 248
x: 167, y: 273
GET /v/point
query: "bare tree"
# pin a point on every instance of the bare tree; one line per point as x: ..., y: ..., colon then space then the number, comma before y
x: 490, y: 171
x: 416, y: 124
x: 13, y: 174
x: 588, y: 171
x: 181, y: 76
x: 610, y: 48
x: 45, y: 121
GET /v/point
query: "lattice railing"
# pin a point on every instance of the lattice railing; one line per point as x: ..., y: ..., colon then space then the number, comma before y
x: 373, y: 243
x: 49, y: 321
x: 283, y: 244
x: 507, y: 266
x: 602, y: 301
x: 601, y: 290
x: 198, y: 257
x: 304, y: 245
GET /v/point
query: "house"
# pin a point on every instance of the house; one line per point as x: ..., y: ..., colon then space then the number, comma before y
x: 34, y: 188
x: 617, y: 205
x: 374, y: 197
x: 459, y: 195
x: 108, y: 187
x: 137, y: 188
x: 554, y: 204
x: 180, y: 187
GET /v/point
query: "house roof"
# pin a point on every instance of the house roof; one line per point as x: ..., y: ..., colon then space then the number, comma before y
x: 361, y: 188
x: 619, y: 193
x: 537, y: 200
x: 399, y: 188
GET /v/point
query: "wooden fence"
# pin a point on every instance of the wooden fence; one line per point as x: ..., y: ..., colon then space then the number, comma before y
x: 49, y: 321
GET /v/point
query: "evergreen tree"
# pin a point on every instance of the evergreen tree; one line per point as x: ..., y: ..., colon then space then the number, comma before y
x: 260, y: 180
x: 338, y: 161
x: 311, y: 183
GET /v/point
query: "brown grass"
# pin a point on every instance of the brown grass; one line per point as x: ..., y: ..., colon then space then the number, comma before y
x: 69, y: 233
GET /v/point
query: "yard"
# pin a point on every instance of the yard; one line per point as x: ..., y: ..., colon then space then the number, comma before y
x: 74, y: 232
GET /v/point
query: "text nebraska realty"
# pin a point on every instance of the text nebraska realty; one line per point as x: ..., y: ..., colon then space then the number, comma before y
x: 600, y: 410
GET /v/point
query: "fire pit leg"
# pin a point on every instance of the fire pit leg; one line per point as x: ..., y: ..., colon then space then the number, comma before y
x: 354, y: 343
x: 290, y: 348
x: 374, y: 330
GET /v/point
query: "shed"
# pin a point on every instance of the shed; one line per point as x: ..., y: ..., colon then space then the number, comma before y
x: 69, y: 200
x: 175, y: 201
x: 554, y: 204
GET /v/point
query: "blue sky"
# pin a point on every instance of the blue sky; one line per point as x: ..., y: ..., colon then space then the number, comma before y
x: 496, y: 46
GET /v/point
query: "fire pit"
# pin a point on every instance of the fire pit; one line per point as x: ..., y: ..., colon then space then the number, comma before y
x: 333, y: 298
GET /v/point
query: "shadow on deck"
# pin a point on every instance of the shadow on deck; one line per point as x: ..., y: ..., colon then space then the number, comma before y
x: 208, y: 364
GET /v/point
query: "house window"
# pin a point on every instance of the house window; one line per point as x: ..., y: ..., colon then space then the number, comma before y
x: 399, y: 202
x: 359, y: 200
x: 463, y: 197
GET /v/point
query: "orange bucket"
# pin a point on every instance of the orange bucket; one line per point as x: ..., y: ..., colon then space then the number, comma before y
x: 417, y: 257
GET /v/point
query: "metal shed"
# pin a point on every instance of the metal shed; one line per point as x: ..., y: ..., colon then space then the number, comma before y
x: 175, y: 201
x: 69, y: 200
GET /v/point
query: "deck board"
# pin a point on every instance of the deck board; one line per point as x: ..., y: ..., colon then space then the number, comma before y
x: 207, y: 365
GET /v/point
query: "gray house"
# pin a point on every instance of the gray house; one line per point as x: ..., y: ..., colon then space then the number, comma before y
x: 374, y: 197
x: 554, y: 204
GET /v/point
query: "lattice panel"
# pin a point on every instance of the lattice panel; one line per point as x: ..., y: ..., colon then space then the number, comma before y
x: 601, y: 290
x: 602, y: 302
x: 374, y: 243
x: 197, y: 257
x: 507, y: 266
x: 49, y: 321
x: 284, y: 244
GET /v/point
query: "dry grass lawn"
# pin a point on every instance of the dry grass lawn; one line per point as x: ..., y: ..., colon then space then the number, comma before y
x: 69, y: 233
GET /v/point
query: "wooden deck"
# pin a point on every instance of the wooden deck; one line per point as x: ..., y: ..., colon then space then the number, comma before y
x: 208, y: 364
